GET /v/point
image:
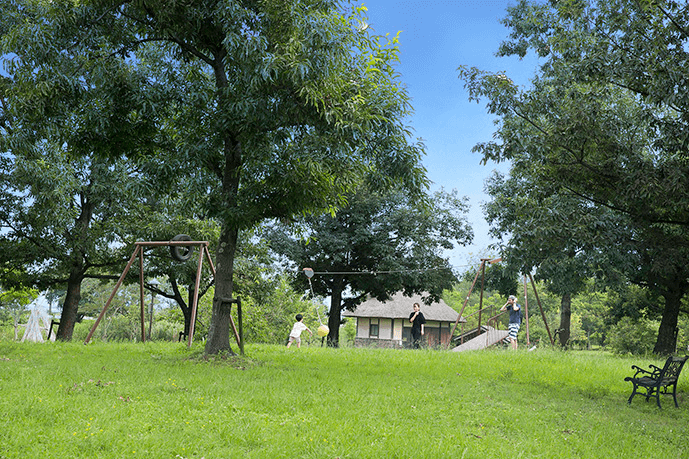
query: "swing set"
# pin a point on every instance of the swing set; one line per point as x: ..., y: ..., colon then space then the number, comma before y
x: 493, y: 318
x: 181, y: 250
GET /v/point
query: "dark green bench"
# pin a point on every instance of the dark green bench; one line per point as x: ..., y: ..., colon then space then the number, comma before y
x: 658, y: 380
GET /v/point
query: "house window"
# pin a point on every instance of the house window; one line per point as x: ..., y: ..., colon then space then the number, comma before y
x: 373, y: 328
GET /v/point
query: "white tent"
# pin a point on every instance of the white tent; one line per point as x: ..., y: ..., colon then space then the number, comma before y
x: 38, y: 321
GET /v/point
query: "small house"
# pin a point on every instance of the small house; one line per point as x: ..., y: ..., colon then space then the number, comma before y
x: 386, y: 323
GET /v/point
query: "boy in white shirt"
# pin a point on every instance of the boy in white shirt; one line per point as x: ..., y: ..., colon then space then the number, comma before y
x: 295, y: 334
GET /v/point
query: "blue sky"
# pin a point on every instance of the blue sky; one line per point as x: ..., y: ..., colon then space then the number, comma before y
x: 437, y: 37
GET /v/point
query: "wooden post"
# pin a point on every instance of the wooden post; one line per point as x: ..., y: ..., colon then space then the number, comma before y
x: 480, y: 301
x: 533, y: 285
x: 526, y: 311
x: 465, y: 305
x: 141, y: 294
x: 112, y: 295
x: 195, y: 300
x: 241, y: 328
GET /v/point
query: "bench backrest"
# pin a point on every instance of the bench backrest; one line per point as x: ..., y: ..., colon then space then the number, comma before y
x: 671, y: 370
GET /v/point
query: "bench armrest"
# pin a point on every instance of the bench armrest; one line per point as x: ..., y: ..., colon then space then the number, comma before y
x: 641, y: 370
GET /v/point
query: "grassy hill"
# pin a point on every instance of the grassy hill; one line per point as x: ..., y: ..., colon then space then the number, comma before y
x: 160, y: 400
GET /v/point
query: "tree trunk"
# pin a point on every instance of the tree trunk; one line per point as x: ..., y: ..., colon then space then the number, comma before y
x: 184, y: 306
x: 666, y: 343
x: 79, y: 235
x: 219, y: 328
x: 565, y: 318
x: 70, y: 308
x: 335, y: 311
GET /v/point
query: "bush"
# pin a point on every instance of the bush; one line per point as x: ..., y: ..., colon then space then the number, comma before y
x: 630, y: 336
x: 164, y: 330
x: 81, y: 330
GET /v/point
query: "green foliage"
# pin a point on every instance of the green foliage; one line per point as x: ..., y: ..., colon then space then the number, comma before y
x: 70, y: 201
x: 634, y: 302
x: 348, y: 334
x: 257, y: 110
x: 632, y: 337
x: 282, y: 107
x: 378, y: 244
x: 683, y: 336
x: 597, y: 145
x: 590, y: 310
x: 13, y: 306
x: 13, y: 302
x: 495, y: 277
x: 271, y: 321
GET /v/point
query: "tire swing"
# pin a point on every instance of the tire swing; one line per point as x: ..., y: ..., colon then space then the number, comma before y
x: 181, y: 252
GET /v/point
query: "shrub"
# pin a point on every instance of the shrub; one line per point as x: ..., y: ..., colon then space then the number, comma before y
x: 164, y: 330
x: 630, y: 336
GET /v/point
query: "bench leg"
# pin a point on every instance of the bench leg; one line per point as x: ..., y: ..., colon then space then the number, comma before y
x: 629, y: 402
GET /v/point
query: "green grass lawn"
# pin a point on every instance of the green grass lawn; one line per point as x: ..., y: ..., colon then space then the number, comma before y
x: 160, y: 400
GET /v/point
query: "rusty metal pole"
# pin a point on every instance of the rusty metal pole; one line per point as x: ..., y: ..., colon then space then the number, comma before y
x: 526, y: 312
x: 208, y: 257
x: 195, y: 301
x: 241, y: 328
x: 141, y: 295
x: 150, y: 316
x: 483, y: 283
x: 234, y: 329
x: 533, y: 285
x: 463, y: 307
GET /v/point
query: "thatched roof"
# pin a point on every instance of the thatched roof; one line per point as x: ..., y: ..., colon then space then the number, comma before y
x: 400, y: 306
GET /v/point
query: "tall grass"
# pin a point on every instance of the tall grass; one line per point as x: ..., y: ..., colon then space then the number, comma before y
x: 160, y: 400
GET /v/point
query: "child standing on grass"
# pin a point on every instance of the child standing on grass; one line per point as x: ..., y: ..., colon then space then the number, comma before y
x: 295, y: 334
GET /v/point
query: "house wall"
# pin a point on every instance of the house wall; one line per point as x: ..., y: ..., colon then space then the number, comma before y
x: 395, y: 333
x: 385, y: 329
x: 399, y: 327
x: 362, y: 327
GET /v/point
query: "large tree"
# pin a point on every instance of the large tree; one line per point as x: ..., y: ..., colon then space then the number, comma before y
x: 69, y: 201
x: 63, y: 220
x: 552, y: 234
x: 379, y: 244
x: 286, y: 103
x: 605, y: 122
x: 283, y: 103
